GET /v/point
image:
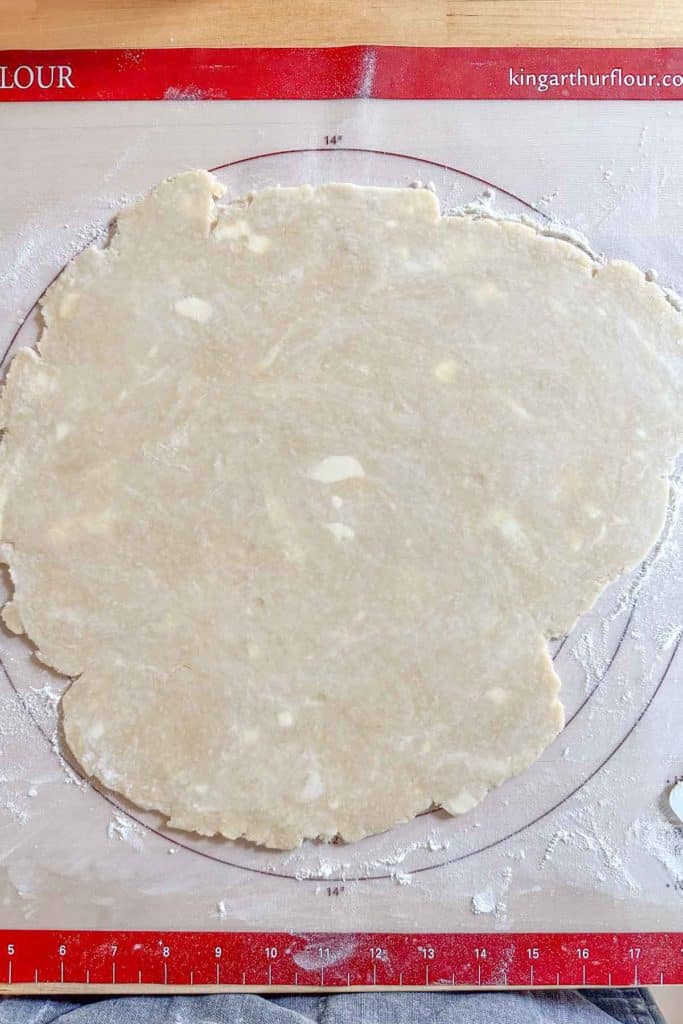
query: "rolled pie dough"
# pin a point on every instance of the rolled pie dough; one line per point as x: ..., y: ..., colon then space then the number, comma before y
x: 297, y: 487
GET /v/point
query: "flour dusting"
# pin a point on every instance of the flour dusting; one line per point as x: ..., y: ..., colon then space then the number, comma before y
x: 123, y: 828
x: 491, y: 899
x: 663, y: 842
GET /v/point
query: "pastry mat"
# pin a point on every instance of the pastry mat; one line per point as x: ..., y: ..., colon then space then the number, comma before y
x: 548, y: 880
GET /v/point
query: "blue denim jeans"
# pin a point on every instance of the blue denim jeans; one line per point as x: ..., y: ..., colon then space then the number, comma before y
x: 588, y: 1006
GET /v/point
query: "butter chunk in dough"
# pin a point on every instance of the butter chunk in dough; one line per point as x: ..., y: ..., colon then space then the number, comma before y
x: 299, y: 486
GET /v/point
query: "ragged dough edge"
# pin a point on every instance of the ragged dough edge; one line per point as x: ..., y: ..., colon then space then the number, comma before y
x: 28, y: 366
x: 181, y: 816
x: 664, y: 301
x: 556, y: 628
x: 203, y: 215
x: 634, y: 286
x: 281, y: 839
x: 12, y: 618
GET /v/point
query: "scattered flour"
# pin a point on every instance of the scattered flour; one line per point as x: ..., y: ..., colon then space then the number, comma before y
x: 662, y: 841
x: 11, y: 804
x: 490, y: 900
x: 435, y: 843
x: 123, y: 828
x: 383, y: 864
x: 484, y: 902
x: 589, y: 835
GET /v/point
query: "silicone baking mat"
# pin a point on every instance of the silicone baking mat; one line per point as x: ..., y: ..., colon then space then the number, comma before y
x: 585, y: 143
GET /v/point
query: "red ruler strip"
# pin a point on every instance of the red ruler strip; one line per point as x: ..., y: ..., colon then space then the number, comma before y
x: 266, y: 960
x: 368, y: 72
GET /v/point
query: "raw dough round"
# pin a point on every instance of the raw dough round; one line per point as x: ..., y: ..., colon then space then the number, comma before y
x: 299, y: 486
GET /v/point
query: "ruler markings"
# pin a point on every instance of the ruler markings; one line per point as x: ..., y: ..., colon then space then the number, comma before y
x: 653, y: 957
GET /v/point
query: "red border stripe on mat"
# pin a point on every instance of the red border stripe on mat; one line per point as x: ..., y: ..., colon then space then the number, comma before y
x: 265, y: 960
x: 383, y: 72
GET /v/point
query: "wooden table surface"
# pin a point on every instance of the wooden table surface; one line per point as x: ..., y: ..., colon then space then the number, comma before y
x: 104, y: 23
